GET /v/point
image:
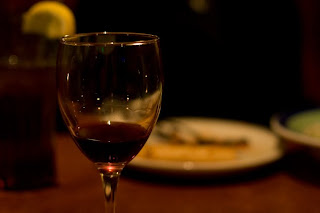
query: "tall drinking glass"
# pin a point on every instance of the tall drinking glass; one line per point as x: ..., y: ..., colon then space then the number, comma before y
x: 109, y: 93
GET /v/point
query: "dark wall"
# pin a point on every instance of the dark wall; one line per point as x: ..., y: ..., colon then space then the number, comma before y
x: 228, y: 58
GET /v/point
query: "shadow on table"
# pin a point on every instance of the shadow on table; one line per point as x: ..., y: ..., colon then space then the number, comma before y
x: 304, y: 164
x: 230, y: 178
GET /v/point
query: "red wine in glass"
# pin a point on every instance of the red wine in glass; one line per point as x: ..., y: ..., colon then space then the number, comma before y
x: 112, y: 142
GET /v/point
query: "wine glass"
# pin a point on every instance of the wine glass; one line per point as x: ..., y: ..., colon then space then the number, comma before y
x: 109, y: 93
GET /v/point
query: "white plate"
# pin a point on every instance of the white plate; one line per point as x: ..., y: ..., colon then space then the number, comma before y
x: 293, y: 126
x: 263, y: 148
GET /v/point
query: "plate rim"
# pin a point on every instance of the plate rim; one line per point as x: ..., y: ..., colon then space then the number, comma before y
x: 278, y: 126
x: 210, y: 167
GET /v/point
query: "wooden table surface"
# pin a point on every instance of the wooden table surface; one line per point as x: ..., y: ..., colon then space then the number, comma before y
x: 291, y: 185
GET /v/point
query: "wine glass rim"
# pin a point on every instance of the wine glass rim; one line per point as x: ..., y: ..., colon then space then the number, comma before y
x: 145, y: 38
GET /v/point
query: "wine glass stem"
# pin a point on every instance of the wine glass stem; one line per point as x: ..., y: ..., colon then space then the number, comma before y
x: 110, y: 179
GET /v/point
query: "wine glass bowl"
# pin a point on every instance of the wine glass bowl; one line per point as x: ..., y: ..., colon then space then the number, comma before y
x: 109, y: 92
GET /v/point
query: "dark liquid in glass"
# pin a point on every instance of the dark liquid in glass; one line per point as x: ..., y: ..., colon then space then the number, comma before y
x: 114, y: 142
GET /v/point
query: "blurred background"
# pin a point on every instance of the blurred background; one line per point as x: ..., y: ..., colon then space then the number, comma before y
x: 223, y: 58
x: 242, y: 60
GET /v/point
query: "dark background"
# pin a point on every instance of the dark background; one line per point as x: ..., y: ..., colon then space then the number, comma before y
x: 231, y: 59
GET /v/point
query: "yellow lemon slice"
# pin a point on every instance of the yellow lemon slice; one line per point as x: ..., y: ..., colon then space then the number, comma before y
x: 51, y: 19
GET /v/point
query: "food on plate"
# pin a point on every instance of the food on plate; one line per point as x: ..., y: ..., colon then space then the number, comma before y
x: 174, y: 140
x: 187, y: 152
x: 307, y: 122
x: 312, y: 130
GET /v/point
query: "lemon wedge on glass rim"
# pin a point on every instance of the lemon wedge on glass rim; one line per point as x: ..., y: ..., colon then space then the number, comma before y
x: 51, y: 19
